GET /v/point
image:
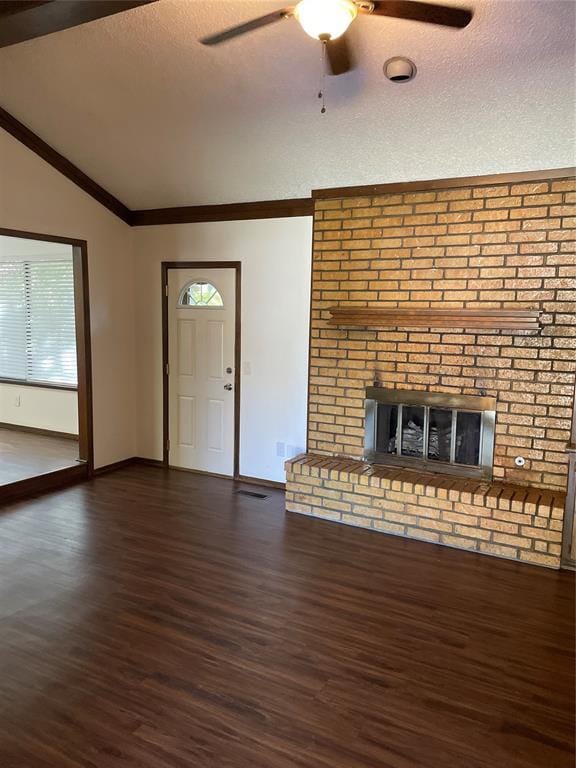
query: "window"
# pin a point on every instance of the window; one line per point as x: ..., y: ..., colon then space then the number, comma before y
x: 37, y: 323
x: 200, y: 293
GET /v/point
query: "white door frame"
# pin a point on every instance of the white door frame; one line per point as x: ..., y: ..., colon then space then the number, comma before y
x: 237, y: 266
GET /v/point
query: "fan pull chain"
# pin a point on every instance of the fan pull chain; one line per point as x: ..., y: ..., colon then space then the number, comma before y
x: 322, y: 90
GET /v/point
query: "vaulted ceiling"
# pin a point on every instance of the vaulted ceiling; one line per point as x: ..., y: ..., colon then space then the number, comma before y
x: 160, y: 120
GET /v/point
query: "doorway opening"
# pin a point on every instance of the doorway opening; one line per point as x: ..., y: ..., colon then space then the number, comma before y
x: 201, y: 366
x: 45, y: 373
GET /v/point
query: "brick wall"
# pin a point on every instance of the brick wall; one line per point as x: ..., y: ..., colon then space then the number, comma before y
x: 506, y: 245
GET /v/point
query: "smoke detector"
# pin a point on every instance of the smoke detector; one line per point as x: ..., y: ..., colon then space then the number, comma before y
x: 399, y: 69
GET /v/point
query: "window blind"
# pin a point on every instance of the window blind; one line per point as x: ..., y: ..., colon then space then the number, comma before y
x: 12, y: 322
x: 37, y: 324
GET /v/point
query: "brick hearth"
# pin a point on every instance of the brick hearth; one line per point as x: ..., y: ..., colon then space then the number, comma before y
x: 494, y: 518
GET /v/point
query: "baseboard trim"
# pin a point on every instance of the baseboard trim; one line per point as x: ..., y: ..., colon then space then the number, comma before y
x: 158, y: 464
x: 122, y: 464
x: 200, y: 472
x: 262, y: 482
x: 71, y: 475
x: 50, y: 481
x: 38, y: 431
x: 130, y: 462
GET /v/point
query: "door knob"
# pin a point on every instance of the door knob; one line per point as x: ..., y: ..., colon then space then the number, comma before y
x: 228, y: 387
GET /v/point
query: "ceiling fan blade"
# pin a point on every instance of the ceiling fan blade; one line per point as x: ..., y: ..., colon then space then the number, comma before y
x: 241, y: 29
x: 339, y: 55
x: 447, y: 16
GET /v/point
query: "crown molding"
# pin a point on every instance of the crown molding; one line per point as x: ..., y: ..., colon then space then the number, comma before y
x: 369, y: 190
x: 263, y: 209
x: 28, y: 19
x: 25, y: 136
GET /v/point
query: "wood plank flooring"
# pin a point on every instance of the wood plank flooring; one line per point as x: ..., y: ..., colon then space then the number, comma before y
x: 27, y: 454
x: 158, y: 619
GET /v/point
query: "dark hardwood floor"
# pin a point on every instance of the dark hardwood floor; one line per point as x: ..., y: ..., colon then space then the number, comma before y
x: 157, y: 619
x: 26, y: 454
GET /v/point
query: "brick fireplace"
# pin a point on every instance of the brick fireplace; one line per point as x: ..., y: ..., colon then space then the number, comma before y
x: 487, y: 274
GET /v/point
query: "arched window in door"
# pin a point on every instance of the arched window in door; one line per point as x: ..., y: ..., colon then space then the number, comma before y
x: 200, y: 293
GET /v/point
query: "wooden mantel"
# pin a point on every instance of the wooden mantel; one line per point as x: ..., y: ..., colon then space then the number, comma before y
x: 373, y: 317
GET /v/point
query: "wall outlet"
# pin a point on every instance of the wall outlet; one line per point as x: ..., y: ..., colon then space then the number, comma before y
x: 280, y: 449
x: 17, y: 401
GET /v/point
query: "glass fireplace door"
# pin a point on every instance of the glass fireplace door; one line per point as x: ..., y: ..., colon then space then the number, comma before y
x: 441, y: 439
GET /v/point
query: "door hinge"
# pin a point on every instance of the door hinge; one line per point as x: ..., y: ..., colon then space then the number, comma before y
x: 167, y: 445
x: 166, y: 290
x: 167, y: 369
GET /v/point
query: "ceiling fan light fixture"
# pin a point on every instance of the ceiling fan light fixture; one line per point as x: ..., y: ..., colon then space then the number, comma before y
x: 325, y: 19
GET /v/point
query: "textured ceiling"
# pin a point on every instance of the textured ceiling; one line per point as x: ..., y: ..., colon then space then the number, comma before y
x: 160, y: 120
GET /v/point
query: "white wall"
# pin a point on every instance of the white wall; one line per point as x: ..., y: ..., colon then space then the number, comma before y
x: 124, y: 274
x: 24, y: 249
x: 276, y: 260
x: 36, y: 198
x: 54, y: 409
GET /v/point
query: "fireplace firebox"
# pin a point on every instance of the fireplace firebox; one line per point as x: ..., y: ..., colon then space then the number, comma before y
x: 438, y: 432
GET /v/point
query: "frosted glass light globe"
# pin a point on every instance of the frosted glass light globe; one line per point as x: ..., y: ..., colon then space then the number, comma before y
x: 325, y: 19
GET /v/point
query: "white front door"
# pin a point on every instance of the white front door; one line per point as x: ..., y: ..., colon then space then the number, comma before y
x: 201, y: 338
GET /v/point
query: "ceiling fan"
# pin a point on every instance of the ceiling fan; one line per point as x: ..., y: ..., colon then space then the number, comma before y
x: 328, y: 20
